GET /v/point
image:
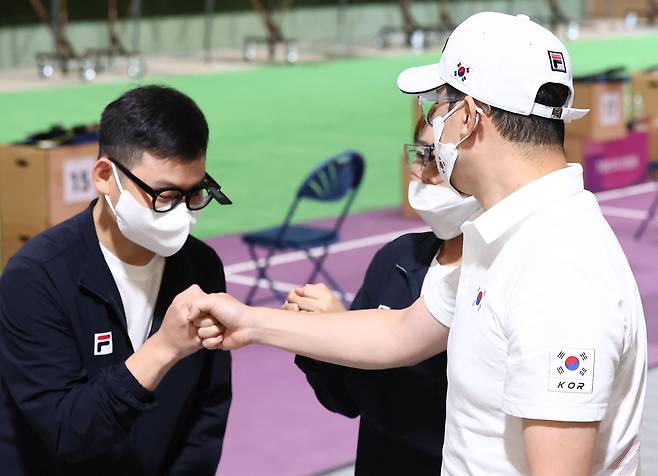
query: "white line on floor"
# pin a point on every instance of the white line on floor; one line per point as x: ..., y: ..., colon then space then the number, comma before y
x: 278, y: 285
x: 626, y: 191
x: 624, y: 212
x: 382, y: 238
x: 347, y: 245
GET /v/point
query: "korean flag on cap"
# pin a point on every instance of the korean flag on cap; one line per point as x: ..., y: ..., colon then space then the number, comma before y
x: 571, y: 370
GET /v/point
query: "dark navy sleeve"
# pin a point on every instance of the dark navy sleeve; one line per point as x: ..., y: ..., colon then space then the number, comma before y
x: 77, y: 417
x: 205, y: 432
x: 328, y: 380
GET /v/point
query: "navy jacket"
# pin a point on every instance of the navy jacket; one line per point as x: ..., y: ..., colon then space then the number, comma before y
x: 402, y: 410
x: 66, y: 411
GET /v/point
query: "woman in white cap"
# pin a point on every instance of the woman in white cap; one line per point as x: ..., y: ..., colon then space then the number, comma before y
x: 547, y: 340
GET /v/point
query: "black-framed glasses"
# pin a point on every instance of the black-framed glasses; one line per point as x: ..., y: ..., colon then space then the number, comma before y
x: 418, y: 155
x: 166, y: 199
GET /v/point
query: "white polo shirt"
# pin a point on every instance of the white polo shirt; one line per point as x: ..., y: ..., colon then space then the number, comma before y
x: 548, y: 325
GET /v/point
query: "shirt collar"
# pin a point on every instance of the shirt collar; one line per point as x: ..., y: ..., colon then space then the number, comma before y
x: 527, y: 200
x: 95, y: 274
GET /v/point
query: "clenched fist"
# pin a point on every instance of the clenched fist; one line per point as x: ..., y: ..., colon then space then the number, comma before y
x: 176, y: 333
x: 221, y: 322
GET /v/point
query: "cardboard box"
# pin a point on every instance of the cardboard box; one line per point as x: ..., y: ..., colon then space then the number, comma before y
x: 653, y: 144
x: 617, y: 8
x: 45, y: 186
x: 644, y: 87
x: 610, y: 164
x: 42, y: 187
x: 650, y: 127
x: 652, y: 132
x: 606, y: 120
x: 13, y: 236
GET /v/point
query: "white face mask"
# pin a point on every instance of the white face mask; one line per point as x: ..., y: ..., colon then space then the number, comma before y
x: 442, y: 209
x: 162, y: 233
x: 446, y: 154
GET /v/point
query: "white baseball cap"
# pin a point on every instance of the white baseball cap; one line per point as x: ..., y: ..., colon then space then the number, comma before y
x: 501, y: 60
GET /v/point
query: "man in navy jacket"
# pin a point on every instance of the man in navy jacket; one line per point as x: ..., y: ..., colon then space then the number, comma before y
x: 101, y: 371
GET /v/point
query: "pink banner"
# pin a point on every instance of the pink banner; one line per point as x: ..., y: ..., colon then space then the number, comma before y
x: 616, y: 163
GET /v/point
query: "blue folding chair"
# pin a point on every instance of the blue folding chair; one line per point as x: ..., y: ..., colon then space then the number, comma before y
x: 332, y: 180
x: 651, y: 213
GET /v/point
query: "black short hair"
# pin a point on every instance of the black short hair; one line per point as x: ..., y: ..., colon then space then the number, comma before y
x: 533, y: 130
x: 157, y: 119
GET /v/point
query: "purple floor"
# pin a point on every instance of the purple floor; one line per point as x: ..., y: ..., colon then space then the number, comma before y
x: 276, y: 426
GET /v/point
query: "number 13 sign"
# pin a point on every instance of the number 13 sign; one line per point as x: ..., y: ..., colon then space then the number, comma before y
x: 77, y: 183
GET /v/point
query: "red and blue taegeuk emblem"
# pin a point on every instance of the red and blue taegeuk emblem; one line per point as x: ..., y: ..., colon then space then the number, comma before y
x: 461, y: 71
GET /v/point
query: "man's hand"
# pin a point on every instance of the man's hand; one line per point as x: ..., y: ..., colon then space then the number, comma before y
x: 177, y: 338
x: 176, y: 334
x: 220, y: 322
x: 313, y: 298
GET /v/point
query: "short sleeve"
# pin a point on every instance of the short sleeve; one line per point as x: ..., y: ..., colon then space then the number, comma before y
x: 439, y: 292
x: 565, y: 327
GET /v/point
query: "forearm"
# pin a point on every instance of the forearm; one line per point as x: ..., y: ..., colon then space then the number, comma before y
x: 151, y: 363
x: 86, y: 420
x: 368, y: 339
x: 60, y: 401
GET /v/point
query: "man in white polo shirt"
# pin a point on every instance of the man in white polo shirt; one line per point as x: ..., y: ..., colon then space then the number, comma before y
x: 548, y: 325
x: 547, y: 340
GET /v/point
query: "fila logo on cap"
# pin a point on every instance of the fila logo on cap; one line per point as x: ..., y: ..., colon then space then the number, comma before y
x: 103, y: 343
x: 557, y: 61
x: 571, y: 370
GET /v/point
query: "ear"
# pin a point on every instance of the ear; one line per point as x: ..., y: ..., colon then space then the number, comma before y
x: 102, y: 176
x: 472, y: 117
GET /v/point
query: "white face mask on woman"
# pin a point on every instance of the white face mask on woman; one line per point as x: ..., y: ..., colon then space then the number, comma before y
x: 441, y: 208
x: 162, y: 233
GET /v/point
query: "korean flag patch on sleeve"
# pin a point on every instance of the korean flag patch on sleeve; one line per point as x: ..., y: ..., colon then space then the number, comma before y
x: 571, y: 370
